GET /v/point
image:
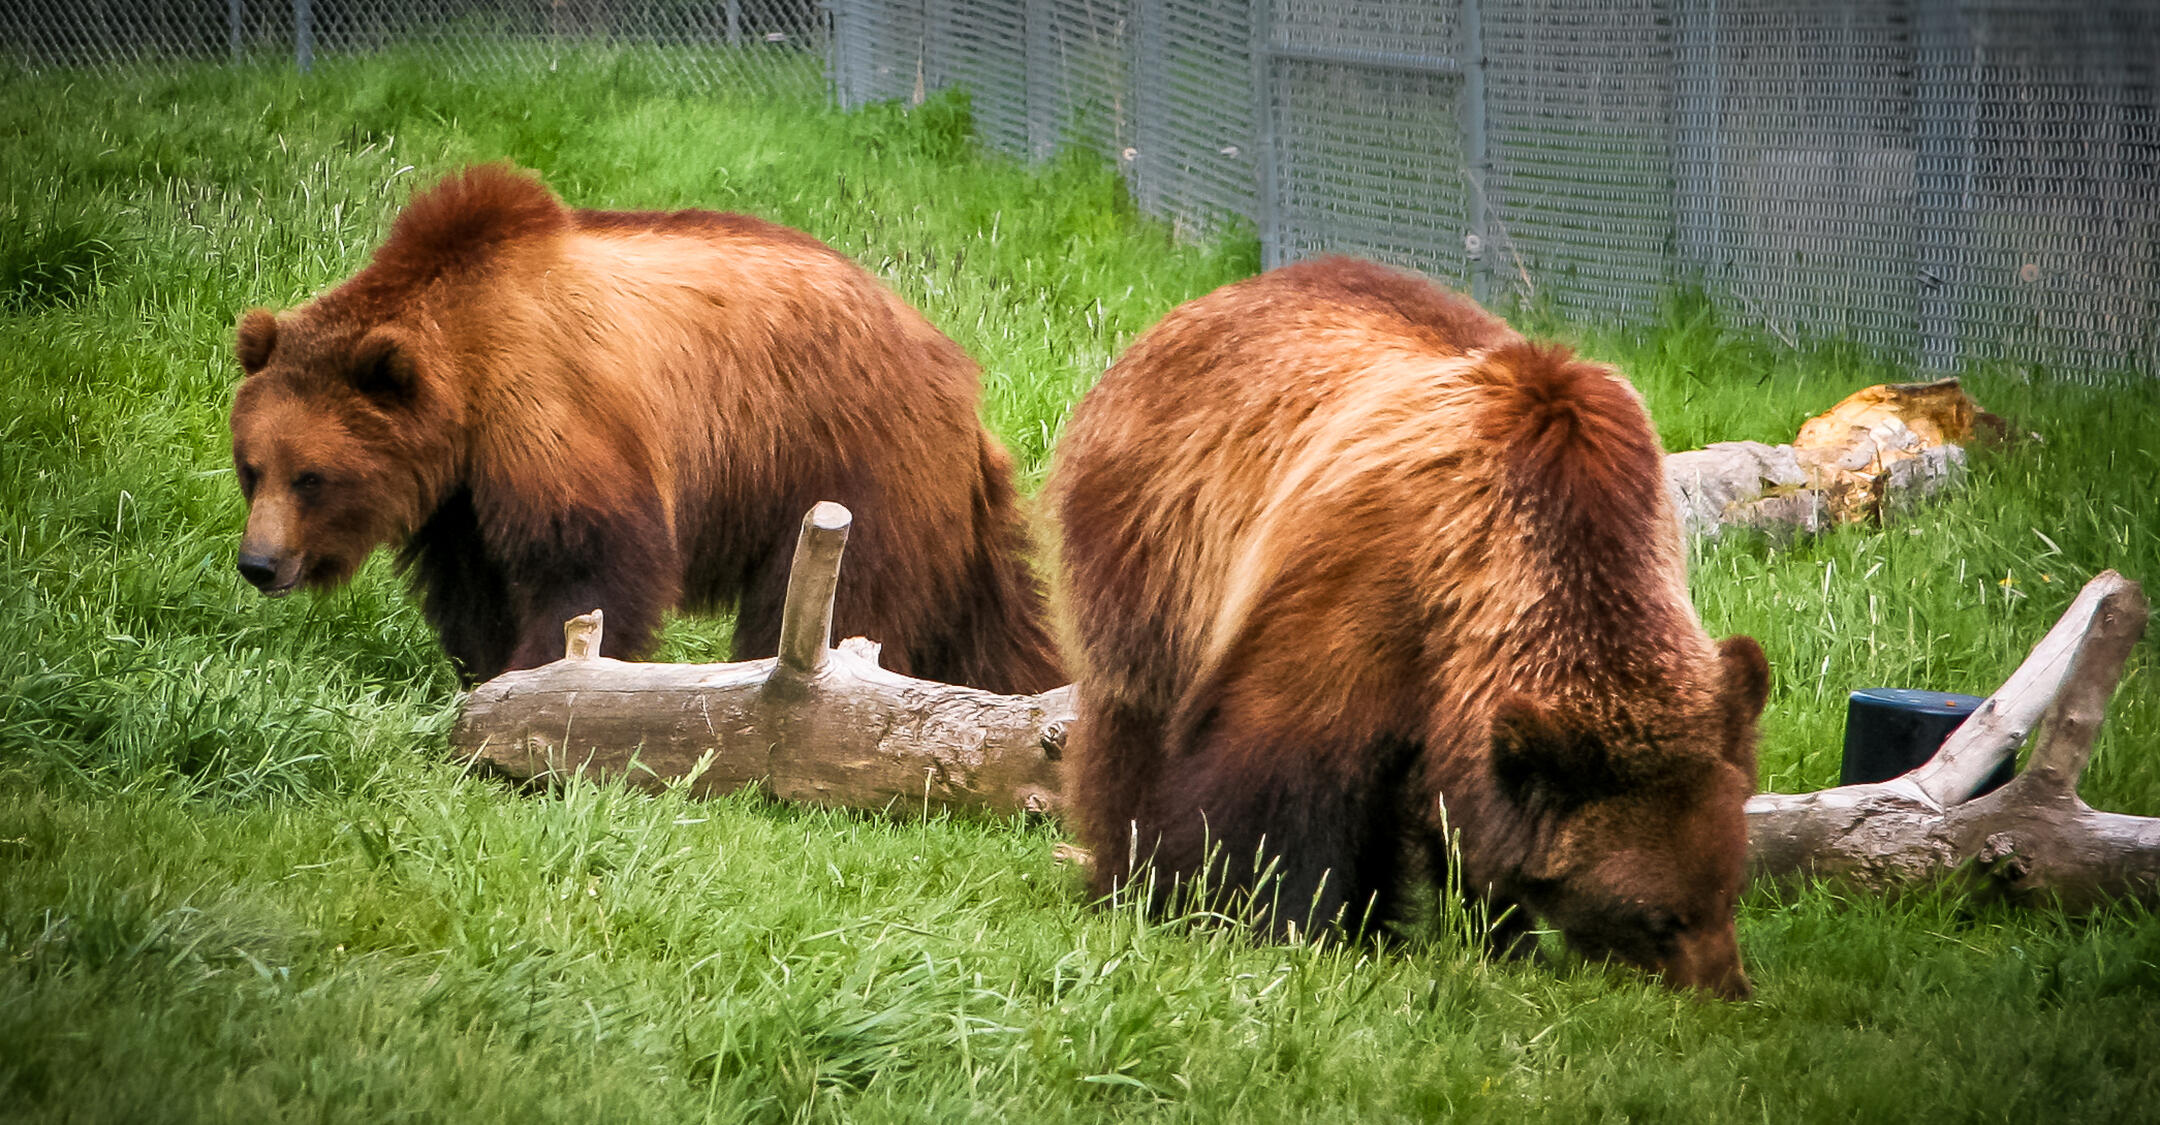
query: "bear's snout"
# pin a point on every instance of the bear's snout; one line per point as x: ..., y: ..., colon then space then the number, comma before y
x: 272, y: 575
x: 259, y: 570
x: 1710, y: 961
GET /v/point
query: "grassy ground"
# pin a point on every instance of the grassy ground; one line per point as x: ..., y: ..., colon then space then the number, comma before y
x: 239, y: 881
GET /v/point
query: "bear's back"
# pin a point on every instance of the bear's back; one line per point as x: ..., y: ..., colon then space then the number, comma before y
x: 529, y: 297
x: 583, y: 340
x: 1347, y: 462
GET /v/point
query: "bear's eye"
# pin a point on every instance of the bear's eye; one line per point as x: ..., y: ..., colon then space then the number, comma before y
x: 307, y: 483
x: 247, y: 476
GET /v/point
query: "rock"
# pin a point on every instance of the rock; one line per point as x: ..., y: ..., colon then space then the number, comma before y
x: 1721, y: 483
x: 1873, y: 456
x: 1937, y: 413
x: 1915, y: 479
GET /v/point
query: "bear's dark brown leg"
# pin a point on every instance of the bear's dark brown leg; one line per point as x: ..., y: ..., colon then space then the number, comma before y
x: 463, y: 591
x: 858, y: 609
x: 1110, y: 776
x: 621, y: 561
x: 633, y: 619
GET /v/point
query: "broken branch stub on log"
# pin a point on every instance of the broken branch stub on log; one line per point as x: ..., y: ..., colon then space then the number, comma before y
x: 815, y: 724
x: 813, y: 579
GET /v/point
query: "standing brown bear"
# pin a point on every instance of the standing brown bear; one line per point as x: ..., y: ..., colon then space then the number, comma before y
x: 555, y: 409
x: 1351, y: 565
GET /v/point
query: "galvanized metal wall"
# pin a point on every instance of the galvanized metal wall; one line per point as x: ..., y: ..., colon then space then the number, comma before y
x: 1952, y: 181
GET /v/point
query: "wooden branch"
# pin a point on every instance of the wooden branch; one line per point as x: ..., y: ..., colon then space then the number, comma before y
x: 581, y: 636
x: 2033, y: 838
x: 2002, y: 722
x: 815, y: 724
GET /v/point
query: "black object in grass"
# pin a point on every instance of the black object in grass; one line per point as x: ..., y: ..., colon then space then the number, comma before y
x: 1889, y: 731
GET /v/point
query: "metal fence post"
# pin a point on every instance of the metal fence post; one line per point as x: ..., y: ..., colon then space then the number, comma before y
x: 1698, y: 97
x: 1474, y: 134
x: 835, y: 72
x: 1265, y: 215
x: 1041, y: 82
x: 1149, y: 165
x: 940, y: 49
x: 734, y: 23
x: 1947, y: 108
x: 303, y: 19
x: 232, y: 28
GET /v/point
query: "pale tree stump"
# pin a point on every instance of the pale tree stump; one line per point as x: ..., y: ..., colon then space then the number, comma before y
x: 1876, y: 455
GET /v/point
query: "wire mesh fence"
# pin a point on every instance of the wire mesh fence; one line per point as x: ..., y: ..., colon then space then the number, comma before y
x: 758, y: 44
x: 1950, y: 181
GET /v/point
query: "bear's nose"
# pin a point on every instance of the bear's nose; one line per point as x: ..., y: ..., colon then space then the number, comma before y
x: 259, y: 570
x: 1735, y: 986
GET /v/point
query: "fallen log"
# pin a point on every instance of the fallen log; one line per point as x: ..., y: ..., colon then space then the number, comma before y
x: 815, y: 724
x: 827, y: 726
x: 1876, y: 455
x: 2033, y: 839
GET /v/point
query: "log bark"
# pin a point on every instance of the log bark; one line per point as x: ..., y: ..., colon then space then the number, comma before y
x: 828, y: 726
x: 815, y: 724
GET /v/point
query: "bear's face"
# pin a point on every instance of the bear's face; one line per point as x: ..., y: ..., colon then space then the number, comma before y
x: 1651, y: 879
x: 331, y: 448
x: 1645, y: 848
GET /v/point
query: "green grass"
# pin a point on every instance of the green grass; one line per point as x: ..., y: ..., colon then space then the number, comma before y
x: 239, y: 879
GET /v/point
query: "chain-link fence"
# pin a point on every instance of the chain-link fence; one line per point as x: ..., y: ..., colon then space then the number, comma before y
x: 776, y: 46
x: 1948, y: 180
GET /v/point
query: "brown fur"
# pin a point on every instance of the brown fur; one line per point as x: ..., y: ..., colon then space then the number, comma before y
x: 553, y: 409
x: 1340, y: 548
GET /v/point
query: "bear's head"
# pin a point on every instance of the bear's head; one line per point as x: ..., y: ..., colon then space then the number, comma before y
x: 343, y: 441
x: 1642, y: 829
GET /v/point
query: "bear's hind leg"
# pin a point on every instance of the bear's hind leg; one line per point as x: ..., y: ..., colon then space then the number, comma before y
x: 858, y: 608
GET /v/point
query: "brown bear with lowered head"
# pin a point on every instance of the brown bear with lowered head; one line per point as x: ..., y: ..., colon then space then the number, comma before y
x: 551, y: 410
x: 1350, y: 565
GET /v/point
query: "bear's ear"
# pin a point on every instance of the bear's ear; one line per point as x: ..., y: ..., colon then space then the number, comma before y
x: 1743, y: 689
x: 1746, y: 674
x: 256, y: 337
x: 383, y: 369
x: 1539, y: 760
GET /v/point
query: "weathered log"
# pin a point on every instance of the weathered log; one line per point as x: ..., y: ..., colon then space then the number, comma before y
x: 1874, y: 456
x: 2033, y: 839
x: 830, y: 727
x: 815, y: 724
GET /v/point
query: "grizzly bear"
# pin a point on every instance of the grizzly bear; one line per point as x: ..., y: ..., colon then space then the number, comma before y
x: 552, y: 410
x: 1354, y: 572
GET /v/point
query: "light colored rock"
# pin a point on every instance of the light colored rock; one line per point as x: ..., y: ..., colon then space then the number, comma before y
x: 1920, y: 478
x: 1783, y: 491
x: 1716, y: 485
